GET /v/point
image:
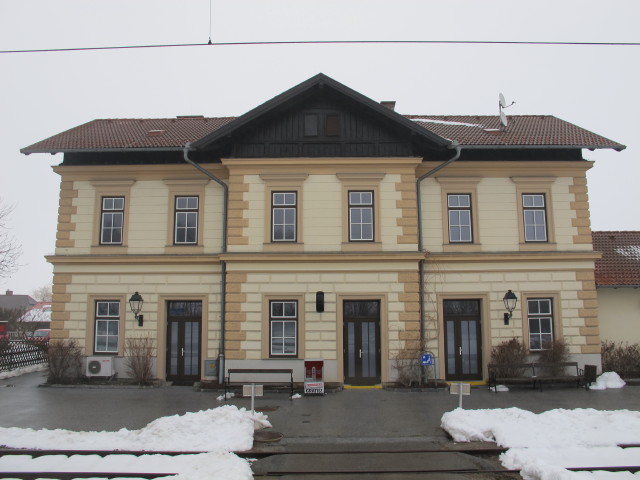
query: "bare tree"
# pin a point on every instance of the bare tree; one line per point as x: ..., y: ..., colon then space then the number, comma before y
x: 42, y: 294
x: 9, y: 250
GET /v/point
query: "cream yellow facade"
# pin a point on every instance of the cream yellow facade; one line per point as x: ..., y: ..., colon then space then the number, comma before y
x: 499, y: 259
x: 619, y: 314
x: 322, y: 259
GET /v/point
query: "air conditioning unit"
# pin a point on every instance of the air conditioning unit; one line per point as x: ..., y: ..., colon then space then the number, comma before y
x: 99, y: 367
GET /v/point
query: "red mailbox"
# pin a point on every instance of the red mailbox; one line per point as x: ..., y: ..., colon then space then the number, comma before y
x: 313, y: 379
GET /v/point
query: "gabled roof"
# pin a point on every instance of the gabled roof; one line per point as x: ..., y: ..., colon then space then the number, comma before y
x: 620, y: 262
x: 470, y: 131
x: 308, y: 87
x: 16, y: 302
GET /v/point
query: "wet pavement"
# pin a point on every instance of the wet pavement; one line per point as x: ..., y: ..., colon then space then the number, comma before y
x: 357, y: 434
x: 348, y: 415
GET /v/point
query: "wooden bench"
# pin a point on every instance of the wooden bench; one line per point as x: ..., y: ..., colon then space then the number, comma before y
x: 256, y: 371
x: 557, y: 373
x: 511, y: 374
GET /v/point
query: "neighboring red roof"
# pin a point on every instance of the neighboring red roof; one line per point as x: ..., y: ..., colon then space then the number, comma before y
x: 620, y: 262
x: 174, y: 133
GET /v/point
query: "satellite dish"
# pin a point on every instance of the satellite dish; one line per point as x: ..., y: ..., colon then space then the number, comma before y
x: 502, y: 101
x: 503, y: 119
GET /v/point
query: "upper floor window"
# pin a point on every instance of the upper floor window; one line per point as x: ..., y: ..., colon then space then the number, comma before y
x: 107, y: 326
x: 112, y: 221
x: 534, y: 216
x: 311, y: 124
x: 283, y: 328
x: 459, y: 209
x: 186, y: 223
x: 361, y: 216
x: 283, y: 216
x: 540, y: 317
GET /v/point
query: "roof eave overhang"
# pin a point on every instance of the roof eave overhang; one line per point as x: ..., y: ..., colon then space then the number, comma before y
x: 617, y: 286
x: 541, y: 147
x: 319, y: 81
x: 27, y: 151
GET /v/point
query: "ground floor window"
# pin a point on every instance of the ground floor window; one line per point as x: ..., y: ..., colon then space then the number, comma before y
x: 107, y: 326
x: 540, y: 316
x: 283, y: 328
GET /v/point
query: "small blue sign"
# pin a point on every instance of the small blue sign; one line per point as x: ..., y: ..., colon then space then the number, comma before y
x: 426, y: 359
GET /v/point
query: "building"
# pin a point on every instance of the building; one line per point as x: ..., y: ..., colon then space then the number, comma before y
x: 618, y: 285
x: 16, y: 303
x: 324, y: 225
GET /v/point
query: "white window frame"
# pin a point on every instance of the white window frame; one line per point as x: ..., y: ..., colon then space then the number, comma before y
x: 455, y: 209
x: 284, y: 203
x: 186, y: 220
x: 361, y: 203
x: 107, y: 314
x: 110, y: 210
x: 279, y: 318
x: 539, y: 310
x: 534, y: 217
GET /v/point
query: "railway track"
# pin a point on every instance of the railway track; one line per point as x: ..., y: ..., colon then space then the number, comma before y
x: 327, y: 463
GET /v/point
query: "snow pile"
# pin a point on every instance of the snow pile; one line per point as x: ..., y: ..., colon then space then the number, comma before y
x: 225, y: 428
x: 22, y: 370
x: 217, y: 431
x: 607, y: 380
x: 543, y: 445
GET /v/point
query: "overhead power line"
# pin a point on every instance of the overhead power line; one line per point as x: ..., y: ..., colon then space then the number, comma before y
x: 327, y: 42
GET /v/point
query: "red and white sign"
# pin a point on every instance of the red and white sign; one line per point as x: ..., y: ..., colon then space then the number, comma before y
x: 314, y: 388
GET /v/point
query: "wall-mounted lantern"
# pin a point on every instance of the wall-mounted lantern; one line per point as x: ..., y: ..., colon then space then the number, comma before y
x: 135, y: 302
x: 510, y: 301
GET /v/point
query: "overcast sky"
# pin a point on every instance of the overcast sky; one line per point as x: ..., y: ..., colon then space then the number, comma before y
x: 42, y: 94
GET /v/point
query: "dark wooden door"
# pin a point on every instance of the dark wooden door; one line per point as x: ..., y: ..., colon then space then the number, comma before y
x: 184, y: 321
x: 361, y: 320
x: 463, y: 341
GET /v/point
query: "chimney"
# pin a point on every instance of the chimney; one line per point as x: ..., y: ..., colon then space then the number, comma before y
x: 390, y: 104
x: 9, y: 292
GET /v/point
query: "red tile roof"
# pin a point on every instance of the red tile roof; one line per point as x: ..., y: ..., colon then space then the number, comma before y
x: 130, y: 134
x: 522, y: 130
x: 174, y: 133
x: 620, y: 262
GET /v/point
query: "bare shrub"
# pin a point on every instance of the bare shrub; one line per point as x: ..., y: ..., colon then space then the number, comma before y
x: 65, y: 361
x: 138, y: 360
x: 622, y: 358
x: 554, y: 353
x: 407, y: 363
x: 509, y: 352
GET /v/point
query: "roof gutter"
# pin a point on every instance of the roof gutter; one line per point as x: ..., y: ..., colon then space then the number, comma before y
x: 455, y: 157
x: 223, y: 265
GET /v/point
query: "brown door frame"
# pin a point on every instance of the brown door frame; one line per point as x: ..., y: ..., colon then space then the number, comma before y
x: 196, y: 328
x: 457, y: 323
x: 357, y: 349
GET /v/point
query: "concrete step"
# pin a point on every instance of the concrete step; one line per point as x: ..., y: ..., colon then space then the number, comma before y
x: 377, y: 463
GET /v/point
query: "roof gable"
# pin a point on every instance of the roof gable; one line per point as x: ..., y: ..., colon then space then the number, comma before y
x: 297, y: 123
